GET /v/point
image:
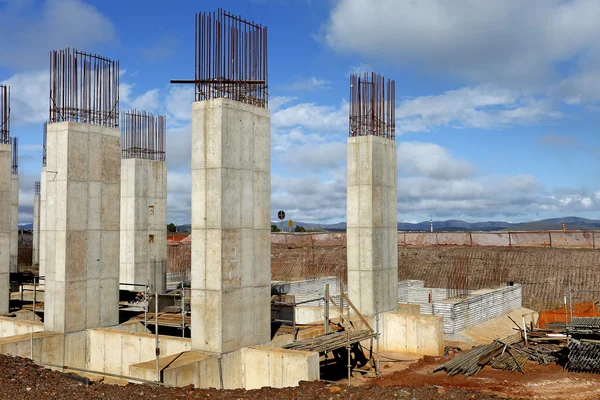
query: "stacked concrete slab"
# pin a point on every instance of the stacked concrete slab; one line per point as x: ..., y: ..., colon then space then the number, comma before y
x: 14, y: 222
x: 36, y: 228
x: 143, y: 254
x: 5, y: 197
x: 372, y: 224
x: 231, y: 199
x: 82, y: 227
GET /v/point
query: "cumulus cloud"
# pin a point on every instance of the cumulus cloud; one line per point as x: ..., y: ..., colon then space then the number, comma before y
x: 483, y: 106
x: 509, y: 41
x: 27, y: 106
x: 58, y: 24
x: 311, y: 116
x: 431, y: 160
x: 309, y: 84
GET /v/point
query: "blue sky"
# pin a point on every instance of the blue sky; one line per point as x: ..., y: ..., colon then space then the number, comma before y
x: 497, y: 102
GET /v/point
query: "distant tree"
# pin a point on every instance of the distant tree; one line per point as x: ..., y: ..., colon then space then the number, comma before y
x: 274, y: 228
x: 171, y: 227
x: 299, y: 228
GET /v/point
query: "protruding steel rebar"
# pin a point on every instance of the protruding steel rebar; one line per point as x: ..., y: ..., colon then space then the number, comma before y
x: 45, y: 134
x: 143, y: 135
x: 84, y: 88
x: 15, y: 155
x: 38, y: 187
x: 372, y: 106
x: 230, y: 59
x: 4, y: 114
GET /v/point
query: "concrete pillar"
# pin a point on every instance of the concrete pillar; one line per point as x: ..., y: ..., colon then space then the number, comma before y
x: 231, y: 201
x: 14, y: 223
x: 82, y: 227
x: 372, y: 219
x: 42, y: 239
x: 5, y: 197
x: 143, y: 223
x: 36, y: 230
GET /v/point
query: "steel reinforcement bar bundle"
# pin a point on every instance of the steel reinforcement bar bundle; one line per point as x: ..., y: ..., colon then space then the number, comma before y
x: 584, y: 356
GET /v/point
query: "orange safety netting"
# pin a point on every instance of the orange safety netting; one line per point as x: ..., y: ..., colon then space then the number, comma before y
x: 589, y: 309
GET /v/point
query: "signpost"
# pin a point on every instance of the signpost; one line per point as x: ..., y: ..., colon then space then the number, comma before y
x: 290, y: 224
x: 281, y: 216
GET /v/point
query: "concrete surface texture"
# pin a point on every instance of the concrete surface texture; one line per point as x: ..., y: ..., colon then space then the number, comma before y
x: 247, y: 368
x: 12, y: 326
x: 14, y: 223
x: 231, y: 248
x: 35, y: 256
x: 82, y: 227
x: 410, y: 333
x: 143, y: 254
x: 5, y: 197
x: 42, y: 240
x: 372, y: 243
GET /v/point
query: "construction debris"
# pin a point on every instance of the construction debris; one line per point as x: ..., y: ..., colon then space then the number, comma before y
x: 584, y: 356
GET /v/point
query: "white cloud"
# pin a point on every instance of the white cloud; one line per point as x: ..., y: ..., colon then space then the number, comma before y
x: 29, y: 97
x: 484, y: 106
x: 312, y: 116
x: 179, y: 103
x: 57, y: 24
x: 431, y: 160
x: 505, y: 41
x: 310, y: 84
x: 359, y: 69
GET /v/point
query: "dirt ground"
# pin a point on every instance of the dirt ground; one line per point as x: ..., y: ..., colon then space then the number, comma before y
x: 21, y: 379
x: 538, y: 382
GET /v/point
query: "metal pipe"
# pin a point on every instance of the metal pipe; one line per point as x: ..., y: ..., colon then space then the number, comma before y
x: 182, y: 310
x: 326, y: 310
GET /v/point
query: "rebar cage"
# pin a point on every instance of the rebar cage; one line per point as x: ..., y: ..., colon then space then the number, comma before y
x: 372, y: 106
x: 15, y: 154
x: 231, y: 59
x: 4, y: 114
x: 84, y: 88
x: 143, y: 135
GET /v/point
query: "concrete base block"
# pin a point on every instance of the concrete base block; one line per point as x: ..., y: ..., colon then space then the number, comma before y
x: 14, y: 223
x: 416, y: 334
x: 13, y: 327
x: 248, y: 368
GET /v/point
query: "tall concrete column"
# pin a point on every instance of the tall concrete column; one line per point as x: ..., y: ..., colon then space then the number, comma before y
x: 82, y: 227
x: 231, y: 201
x: 143, y: 223
x: 42, y: 213
x: 36, y: 226
x: 14, y: 223
x: 372, y: 238
x: 5, y: 196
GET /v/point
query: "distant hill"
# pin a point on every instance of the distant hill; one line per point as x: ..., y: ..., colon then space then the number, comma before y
x: 572, y: 223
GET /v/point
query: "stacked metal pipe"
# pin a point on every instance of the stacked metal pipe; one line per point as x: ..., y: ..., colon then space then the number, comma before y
x: 584, y: 356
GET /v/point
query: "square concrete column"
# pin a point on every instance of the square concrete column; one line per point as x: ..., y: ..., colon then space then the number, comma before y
x: 14, y: 223
x: 35, y: 256
x: 42, y: 239
x: 5, y: 197
x: 143, y: 224
x: 82, y: 227
x: 372, y: 220
x: 231, y: 249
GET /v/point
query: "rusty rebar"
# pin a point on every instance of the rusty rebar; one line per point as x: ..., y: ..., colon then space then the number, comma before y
x: 372, y: 106
x: 38, y: 187
x: 143, y: 135
x: 84, y: 88
x: 230, y: 56
x: 4, y: 114
x: 15, y: 154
